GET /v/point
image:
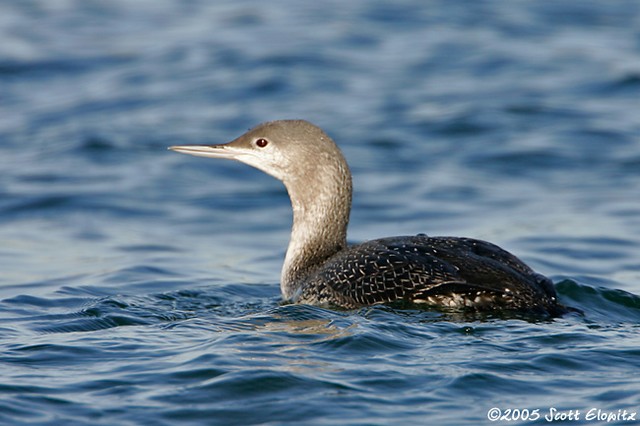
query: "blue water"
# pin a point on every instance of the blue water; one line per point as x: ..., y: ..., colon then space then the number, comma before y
x: 140, y: 287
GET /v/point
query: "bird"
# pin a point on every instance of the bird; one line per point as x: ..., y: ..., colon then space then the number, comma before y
x: 321, y: 268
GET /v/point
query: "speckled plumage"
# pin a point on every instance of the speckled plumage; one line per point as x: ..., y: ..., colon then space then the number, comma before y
x: 440, y: 271
x: 320, y: 268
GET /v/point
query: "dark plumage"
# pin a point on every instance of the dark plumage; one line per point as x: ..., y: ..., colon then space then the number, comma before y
x: 442, y: 271
x: 321, y: 269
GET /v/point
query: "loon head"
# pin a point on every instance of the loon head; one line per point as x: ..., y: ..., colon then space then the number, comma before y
x: 289, y: 150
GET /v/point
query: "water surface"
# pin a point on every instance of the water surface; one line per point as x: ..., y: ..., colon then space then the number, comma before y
x: 138, y: 286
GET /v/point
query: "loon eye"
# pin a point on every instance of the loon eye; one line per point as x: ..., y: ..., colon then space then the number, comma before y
x: 261, y: 143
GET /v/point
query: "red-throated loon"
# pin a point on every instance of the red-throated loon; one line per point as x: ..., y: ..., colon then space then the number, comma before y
x: 321, y: 269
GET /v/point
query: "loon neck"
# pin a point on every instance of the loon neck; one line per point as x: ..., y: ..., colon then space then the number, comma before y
x: 321, y: 203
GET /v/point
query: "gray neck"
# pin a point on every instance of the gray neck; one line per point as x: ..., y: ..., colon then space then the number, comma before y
x: 321, y: 201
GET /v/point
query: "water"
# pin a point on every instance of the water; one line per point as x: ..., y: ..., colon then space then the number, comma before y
x: 139, y: 286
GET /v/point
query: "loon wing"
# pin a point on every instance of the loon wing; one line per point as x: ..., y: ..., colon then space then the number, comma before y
x: 440, y: 270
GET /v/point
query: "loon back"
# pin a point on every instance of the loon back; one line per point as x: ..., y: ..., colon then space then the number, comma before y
x: 440, y: 271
